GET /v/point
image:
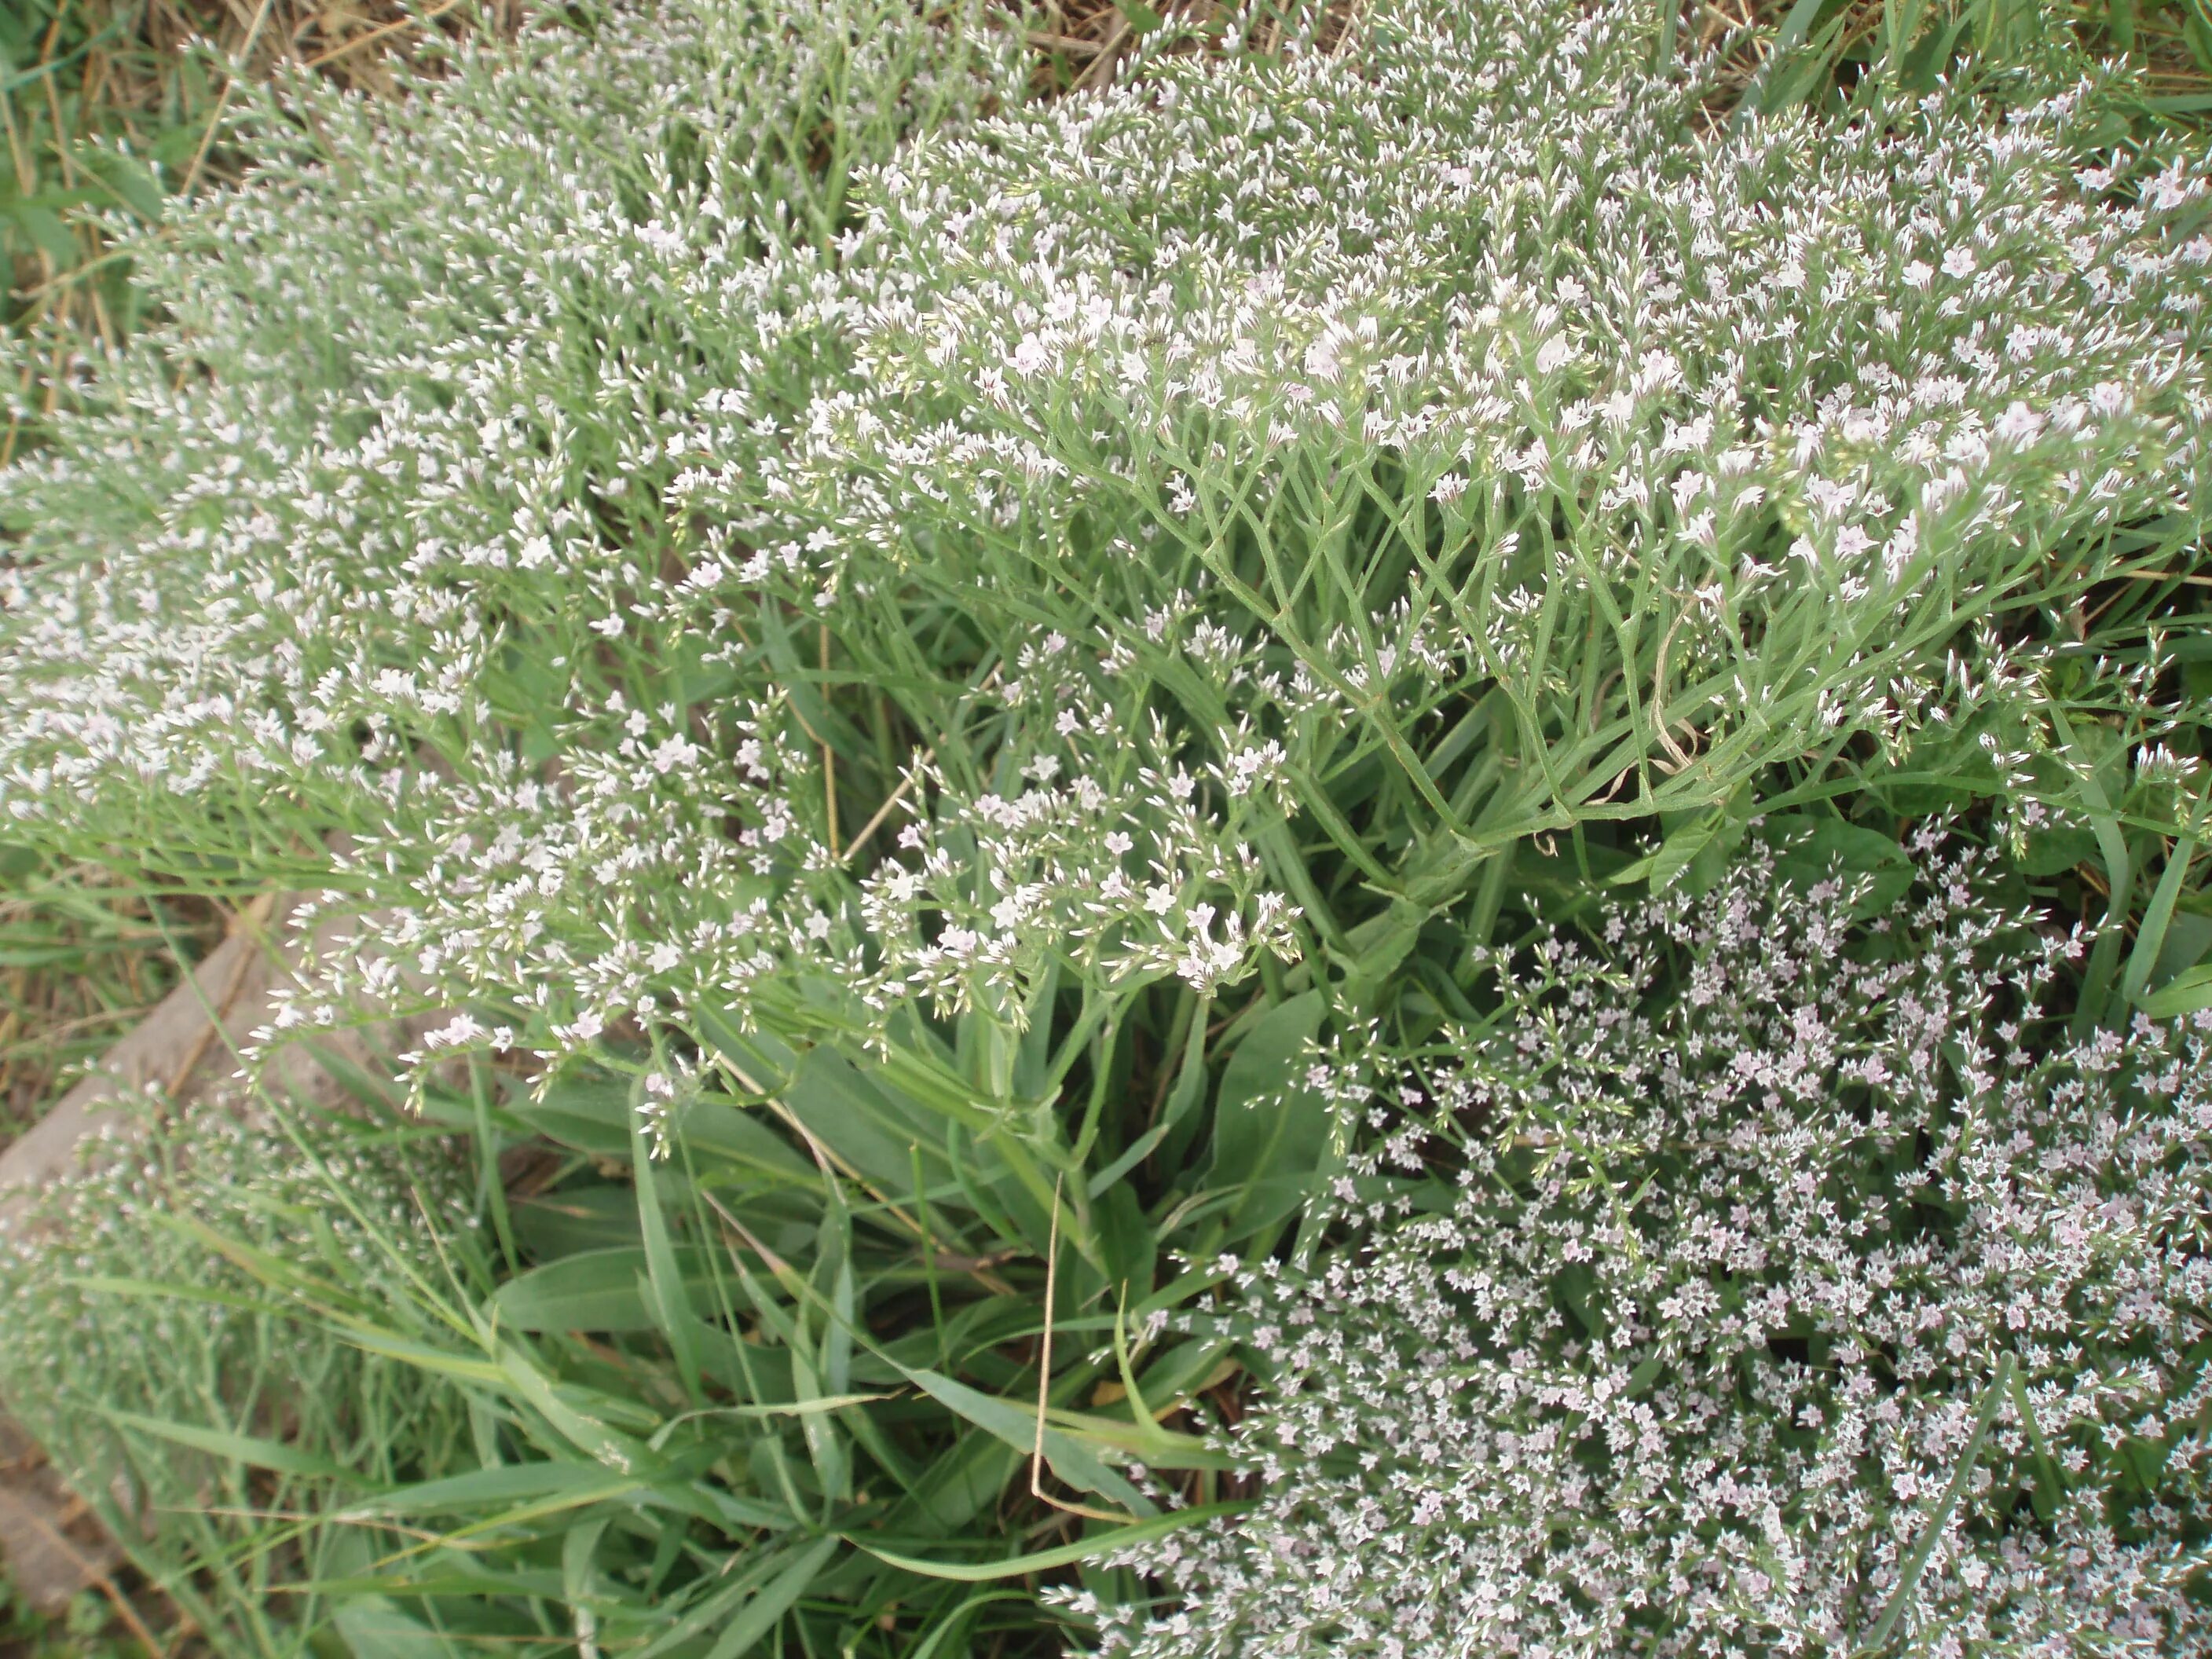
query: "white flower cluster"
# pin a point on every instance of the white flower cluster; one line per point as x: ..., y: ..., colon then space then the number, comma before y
x: 393, y: 559
x: 559, y: 496
x: 1434, y: 358
x: 1788, y: 1302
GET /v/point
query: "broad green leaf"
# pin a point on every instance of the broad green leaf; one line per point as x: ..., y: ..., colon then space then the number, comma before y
x: 1017, y: 1426
x: 961, y: 1484
x: 862, y: 1122
x: 717, y: 1127
x: 572, y: 1221
x: 589, y: 1113
x: 1816, y: 848
x: 2186, y: 994
x: 1680, y: 848
x: 127, y: 177
x: 592, y: 1115
x: 587, y: 1433
x: 2188, y: 942
x: 43, y: 229
x: 2150, y: 929
x: 376, y: 1627
x: 1125, y: 1234
x: 2052, y: 852
x: 598, y: 1290
x: 1269, y: 1127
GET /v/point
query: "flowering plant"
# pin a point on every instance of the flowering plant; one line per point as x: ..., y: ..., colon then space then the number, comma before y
x: 1762, y: 1279
x: 210, y: 1419
x: 891, y: 659
x: 1094, y: 535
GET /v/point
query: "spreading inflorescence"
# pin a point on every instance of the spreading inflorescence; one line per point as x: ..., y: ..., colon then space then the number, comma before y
x: 1802, y: 1290
x: 735, y: 541
x: 553, y: 488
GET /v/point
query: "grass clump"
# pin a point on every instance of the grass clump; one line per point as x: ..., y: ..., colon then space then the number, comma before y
x: 901, y: 670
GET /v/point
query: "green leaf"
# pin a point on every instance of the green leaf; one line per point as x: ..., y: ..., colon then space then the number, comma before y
x: 592, y: 1114
x: 571, y: 1485
x: 2186, y: 994
x: 1125, y: 1234
x: 1153, y: 1446
x: 234, y: 1447
x: 665, y: 1288
x: 598, y: 1290
x: 2151, y: 930
x: 1937, y: 1515
x: 573, y: 1220
x: 1676, y: 852
x: 589, y: 1113
x: 1017, y: 1426
x: 1269, y: 1128
x: 375, y: 1627
x: 586, y: 1433
x: 761, y: 1613
x: 108, y: 1285
x: 44, y: 229
x: 952, y: 1627
x: 717, y: 1127
x: 862, y: 1122
x: 2188, y: 942
x: 127, y: 177
x: 962, y: 1483
x: 765, y: 1586
x: 1816, y: 848
x: 1086, y: 1549
x: 1643, y: 1377
x: 2053, y: 852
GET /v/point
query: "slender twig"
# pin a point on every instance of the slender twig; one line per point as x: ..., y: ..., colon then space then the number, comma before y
x: 884, y: 811
x: 898, y: 794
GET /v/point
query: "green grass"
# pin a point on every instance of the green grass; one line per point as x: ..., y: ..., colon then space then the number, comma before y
x: 1826, y: 53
